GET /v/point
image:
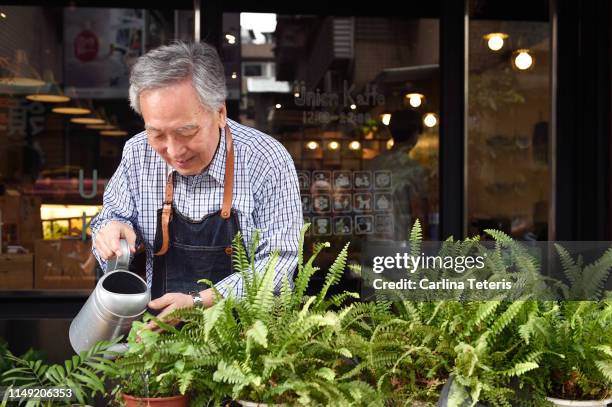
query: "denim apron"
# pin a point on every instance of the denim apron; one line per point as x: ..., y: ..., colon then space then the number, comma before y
x: 188, y: 250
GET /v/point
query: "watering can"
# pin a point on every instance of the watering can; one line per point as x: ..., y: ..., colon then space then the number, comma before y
x: 120, y: 298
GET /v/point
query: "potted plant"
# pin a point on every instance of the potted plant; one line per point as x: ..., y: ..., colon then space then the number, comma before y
x: 156, y: 369
x: 424, y: 340
x: 278, y: 348
x: 577, y: 365
x: 475, y: 347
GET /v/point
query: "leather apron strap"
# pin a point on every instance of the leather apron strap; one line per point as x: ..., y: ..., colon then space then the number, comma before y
x: 228, y: 190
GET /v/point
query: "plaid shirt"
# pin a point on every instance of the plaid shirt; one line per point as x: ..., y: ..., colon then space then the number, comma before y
x: 266, y: 197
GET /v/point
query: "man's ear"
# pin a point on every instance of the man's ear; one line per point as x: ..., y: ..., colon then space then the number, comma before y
x: 222, y: 116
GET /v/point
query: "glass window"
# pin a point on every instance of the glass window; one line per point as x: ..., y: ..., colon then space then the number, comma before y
x: 508, y: 127
x: 355, y: 100
x: 253, y: 70
x: 64, y: 118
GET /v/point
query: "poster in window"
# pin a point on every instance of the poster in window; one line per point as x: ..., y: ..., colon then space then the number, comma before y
x: 100, y: 47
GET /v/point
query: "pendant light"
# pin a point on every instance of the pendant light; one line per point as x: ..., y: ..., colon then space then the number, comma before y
x: 17, y: 75
x: 50, y: 92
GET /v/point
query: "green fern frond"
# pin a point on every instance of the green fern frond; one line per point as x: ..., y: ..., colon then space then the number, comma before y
x: 333, y: 275
x: 306, y: 272
x: 605, y: 368
x: 572, y: 272
x: 520, y: 369
x: 415, y: 239
x: 507, y: 317
x: 240, y: 258
x: 498, y: 235
x: 595, y: 276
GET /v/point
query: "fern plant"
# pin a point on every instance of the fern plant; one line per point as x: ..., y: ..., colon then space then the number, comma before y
x: 576, y: 337
x: 156, y: 363
x: 413, y: 347
x: 81, y: 374
x: 265, y: 346
x: 277, y: 347
x: 584, y: 282
x: 496, y: 349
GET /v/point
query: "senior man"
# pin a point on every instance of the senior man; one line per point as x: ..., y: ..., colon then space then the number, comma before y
x: 193, y: 179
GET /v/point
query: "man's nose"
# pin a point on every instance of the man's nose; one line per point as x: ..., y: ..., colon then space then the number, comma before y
x: 175, y: 148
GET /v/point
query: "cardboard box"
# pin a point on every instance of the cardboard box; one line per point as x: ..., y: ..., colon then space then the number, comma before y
x: 64, y: 264
x: 16, y: 271
x: 21, y: 220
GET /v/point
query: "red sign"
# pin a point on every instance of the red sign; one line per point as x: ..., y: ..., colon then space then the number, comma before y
x: 86, y: 46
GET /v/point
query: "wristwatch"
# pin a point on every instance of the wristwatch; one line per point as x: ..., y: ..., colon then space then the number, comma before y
x: 195, y: 296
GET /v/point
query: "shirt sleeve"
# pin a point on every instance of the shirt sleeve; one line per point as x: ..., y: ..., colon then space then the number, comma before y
x: 118, y: 201
x: 278, y: 217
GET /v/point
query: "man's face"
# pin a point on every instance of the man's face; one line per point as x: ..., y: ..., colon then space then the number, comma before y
x: 179, y: 128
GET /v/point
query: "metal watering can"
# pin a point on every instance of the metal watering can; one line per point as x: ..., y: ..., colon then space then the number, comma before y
x: 120, y: 298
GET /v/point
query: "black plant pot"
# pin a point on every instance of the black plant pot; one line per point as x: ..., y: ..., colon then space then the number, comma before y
x: 445, y: 393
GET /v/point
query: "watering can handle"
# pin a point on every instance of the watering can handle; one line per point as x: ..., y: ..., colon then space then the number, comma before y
x: 120, y: 262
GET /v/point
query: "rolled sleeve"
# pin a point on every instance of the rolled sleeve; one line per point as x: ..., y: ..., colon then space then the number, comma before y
x: 118, y: 202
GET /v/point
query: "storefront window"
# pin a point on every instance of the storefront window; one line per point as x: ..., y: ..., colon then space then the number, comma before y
x: 64, y: 118
x: 355, y: 100
x: 508, y: 127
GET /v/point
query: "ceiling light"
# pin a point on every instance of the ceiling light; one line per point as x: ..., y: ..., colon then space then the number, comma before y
x: 522, y: 59
x: 50, y: 92
x: 70, y: 110
x: 495, y: 41
x: 354, y: 145
x: 386, y: 119
x: 101, y: 127
x: 19, y: 72
x: 116, y: 133
x: 430, y: 120
x: 48, y: 98
x: 312, y: 145
x: 87, y: 120
x: 415, y: 99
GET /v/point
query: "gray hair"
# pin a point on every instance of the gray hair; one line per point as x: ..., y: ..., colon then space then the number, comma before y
x: 177, y: 62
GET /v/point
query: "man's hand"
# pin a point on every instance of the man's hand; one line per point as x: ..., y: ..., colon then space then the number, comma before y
x: 107, y: 239
x: 171, y: 301
x: 168, y: 303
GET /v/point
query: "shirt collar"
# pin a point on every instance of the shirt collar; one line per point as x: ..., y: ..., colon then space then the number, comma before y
x: 216, y: 169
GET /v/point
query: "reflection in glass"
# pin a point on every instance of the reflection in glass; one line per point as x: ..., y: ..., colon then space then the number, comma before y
x: 334, y: 90
x: 56, y: 80
x: 508, y: 180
